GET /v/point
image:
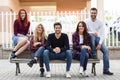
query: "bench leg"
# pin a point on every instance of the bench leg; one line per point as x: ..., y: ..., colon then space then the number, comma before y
x: 93, y: 69
x: 17, y: 68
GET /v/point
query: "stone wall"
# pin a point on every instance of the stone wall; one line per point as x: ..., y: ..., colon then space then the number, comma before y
x: 114, y: 54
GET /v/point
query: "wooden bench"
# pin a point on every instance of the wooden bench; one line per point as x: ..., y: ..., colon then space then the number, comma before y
x: 25, y: 58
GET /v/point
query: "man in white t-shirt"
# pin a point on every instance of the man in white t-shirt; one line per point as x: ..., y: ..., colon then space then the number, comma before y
x: 96, y: 31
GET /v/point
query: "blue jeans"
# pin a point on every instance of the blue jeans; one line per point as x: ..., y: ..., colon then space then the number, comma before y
x: 39, y: 55
x: 60, y: 56
x: 84, y: 55
x: 94, y: 42
x: 15, y: 40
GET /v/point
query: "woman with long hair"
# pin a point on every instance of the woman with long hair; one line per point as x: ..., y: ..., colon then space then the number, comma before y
x: 37, y: 44
x: 81, y: 46
x: 21, y: 28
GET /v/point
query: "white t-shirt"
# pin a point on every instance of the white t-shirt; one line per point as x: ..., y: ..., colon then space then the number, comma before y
x: 95, y: 27
x: 81, y: 39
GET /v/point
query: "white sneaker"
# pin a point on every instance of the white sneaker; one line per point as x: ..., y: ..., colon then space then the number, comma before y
x: 68, y: 75
x: 85, y: 73
x: 48, y: 74
x: 81, y: 70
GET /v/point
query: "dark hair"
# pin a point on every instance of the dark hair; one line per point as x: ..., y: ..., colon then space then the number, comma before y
x: 85, y: 32
x: 93, y: 9
x: 19, y: 18
x: 57, y: 23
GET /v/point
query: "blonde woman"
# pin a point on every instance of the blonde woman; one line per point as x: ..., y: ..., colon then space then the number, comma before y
x: 37, y: 44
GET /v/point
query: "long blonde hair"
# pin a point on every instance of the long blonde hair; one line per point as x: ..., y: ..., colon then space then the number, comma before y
x: 43, y: 36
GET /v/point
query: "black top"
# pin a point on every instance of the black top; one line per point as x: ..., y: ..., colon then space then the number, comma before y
x: 53, y: 42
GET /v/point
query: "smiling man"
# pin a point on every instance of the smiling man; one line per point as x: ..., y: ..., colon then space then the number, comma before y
x: 96, y: 32
x: 57, y: 48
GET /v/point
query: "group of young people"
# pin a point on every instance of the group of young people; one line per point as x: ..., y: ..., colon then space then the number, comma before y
x: 87, y: 39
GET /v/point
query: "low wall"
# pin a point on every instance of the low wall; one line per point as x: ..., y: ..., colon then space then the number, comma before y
x: 114, y: 54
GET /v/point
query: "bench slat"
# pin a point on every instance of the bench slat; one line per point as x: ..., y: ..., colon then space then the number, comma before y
x: 22, y: 60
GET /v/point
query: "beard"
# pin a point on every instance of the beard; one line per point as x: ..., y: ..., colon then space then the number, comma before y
x: 57, y: 32
x: 93, y: 17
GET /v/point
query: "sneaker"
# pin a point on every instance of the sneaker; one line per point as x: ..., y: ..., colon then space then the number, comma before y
x: 68, y: 75
x: 81, y: 70
x: 30, y: 64
x: 48, y: 74
x: 108, y: 73
x: 12, y: 55
x: 42, y: 72
x: 85, y: 73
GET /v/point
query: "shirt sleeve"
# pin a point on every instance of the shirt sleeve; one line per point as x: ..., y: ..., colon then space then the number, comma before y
x: 66, y: 47
x: 48, y: 44
x: 16, y: 27
x: 32, y: 48
x: 28, y: 28
x: 102, y: 33
x: 75, y: 41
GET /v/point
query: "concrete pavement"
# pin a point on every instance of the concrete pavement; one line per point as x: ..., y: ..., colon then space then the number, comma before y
x: 7, y: 71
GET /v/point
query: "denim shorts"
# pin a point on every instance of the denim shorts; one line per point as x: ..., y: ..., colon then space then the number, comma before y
x: 15, y: 40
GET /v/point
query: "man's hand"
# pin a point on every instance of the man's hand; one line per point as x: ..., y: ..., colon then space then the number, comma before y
x: 98, y: 47
x: 56, y: 50
x: 95, y: 34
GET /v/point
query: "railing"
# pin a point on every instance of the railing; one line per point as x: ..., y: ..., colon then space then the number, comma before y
x: 69, y: 22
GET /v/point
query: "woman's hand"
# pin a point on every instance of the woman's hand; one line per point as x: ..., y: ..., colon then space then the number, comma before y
x: 37, y: 43
x: 87, y: 47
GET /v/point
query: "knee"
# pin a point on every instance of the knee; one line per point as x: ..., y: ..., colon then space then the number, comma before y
x: 41, y: 48
x: 25, y: 40
x: 83, y: 50
x: 45, y: 53
x: 28, y: 42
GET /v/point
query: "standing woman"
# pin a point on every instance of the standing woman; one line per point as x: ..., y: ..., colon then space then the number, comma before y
x: 37, y: 44
x: 81, y: 46
x: 21, y: 28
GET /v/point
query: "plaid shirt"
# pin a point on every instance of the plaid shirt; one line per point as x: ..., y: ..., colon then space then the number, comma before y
x: 77, y: 45
x: 34, y: 49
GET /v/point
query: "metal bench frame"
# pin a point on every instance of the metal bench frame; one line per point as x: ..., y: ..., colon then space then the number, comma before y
x: 17, y: 61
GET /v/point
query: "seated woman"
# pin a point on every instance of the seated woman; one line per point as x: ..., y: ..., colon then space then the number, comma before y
x: 81, y: 46
x: 20, y: 39
x: 37, y: 43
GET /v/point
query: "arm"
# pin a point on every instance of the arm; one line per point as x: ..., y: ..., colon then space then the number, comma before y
x: 87, y: 43
x: 32, y: 48
x: 102, y: 33
x: 48, y: 44
x: 66, y: 46
x: 44, y: 44
x: 16, y: 27
x: 28, y: 26
x: 75, y: 41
